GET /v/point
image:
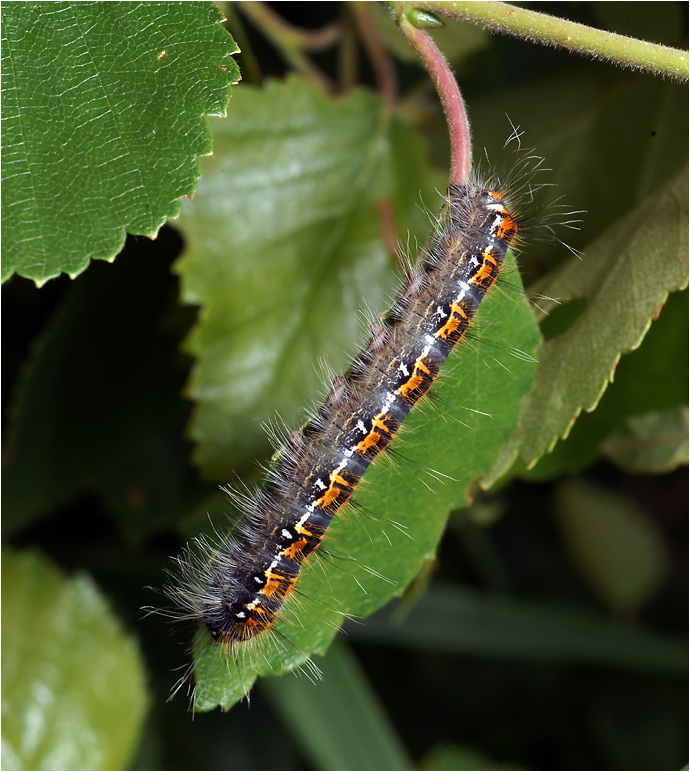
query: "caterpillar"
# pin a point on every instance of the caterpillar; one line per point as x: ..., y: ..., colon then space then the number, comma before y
x: 236, y: 589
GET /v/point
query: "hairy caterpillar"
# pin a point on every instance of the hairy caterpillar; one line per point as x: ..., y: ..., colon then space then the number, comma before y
x: 237, y: 588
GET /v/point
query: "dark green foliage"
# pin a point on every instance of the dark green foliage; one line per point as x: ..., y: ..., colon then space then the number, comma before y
x: 549, y: 631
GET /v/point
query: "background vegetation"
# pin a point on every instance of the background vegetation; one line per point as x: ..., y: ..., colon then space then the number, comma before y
x: 549, y: 632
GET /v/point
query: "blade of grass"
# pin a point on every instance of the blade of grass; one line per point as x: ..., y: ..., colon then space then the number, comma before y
x: 338, y: 721
x: 464, y: 622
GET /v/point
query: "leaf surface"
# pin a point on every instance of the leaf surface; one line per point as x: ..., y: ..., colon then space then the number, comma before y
x: 624, y: 280
x: 103, y: 107
x: 73, y: 694
x: 284, y: 247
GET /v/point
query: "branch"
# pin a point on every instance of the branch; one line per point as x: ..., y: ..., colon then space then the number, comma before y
x: 383, y: 67
x: 542, y: 28
x: 292, y: 41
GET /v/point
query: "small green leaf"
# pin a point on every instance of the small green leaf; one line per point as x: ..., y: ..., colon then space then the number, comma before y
x: 620, y: 551
x: 73, y: 694
x: 424, y: 19
x: 651, y: 443
x: 103, y: 107
x: 662, y: 358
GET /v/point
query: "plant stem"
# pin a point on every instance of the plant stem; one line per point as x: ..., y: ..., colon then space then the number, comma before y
x: 291, y: 41
x: 540, y: 27
x: 449, y: 93
x: 383, y: 67
x: 348, y: 64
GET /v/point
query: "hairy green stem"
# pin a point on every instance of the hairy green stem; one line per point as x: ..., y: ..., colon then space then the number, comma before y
x: 542, y: 28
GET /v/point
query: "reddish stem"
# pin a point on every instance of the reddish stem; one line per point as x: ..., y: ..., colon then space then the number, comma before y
x: 451, y: 99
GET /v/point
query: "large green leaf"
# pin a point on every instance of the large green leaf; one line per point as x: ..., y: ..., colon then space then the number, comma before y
x: 73, y: 692
x: 634, y: 393
x: 623, y: 139
x: 283, y: 246
x: 284, y: 240
x: 103, y: 107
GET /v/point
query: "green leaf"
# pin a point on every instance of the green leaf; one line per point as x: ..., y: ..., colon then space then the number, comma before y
x: 284, y: 240
x: 103, y: 107
x: 662, y: 358
x: 326, y: 713
x: 651, y: 443
x: 619, y: 550
x: 73, y: 694
x: 625, y: 279
x: 611, y: 121
x: 283, y: 247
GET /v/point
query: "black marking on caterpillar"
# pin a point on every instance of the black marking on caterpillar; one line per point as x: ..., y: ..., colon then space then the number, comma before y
x: 239, y: 588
